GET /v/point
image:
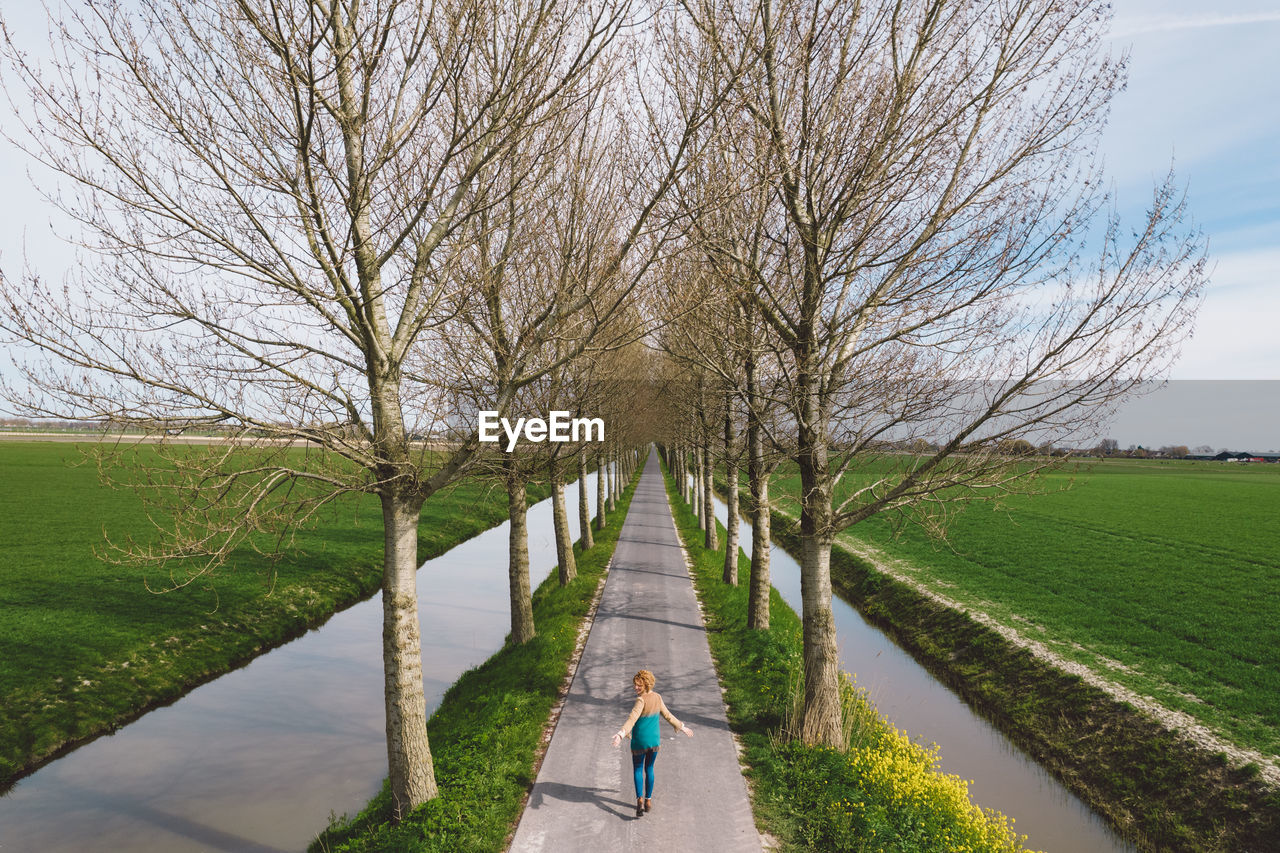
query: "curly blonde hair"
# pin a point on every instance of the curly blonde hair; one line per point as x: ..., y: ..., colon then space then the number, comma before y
x: 645, y: 677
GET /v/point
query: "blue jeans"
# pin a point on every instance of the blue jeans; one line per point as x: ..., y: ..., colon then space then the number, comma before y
x: 642, y: 762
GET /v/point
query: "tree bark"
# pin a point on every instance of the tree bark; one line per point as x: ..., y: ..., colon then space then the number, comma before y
x: 678, y: 469
x: 731, y: 499
x: 602, y: 478
x: 560, y: 519
x: 409, y: 764
x: 712, y: 539
x: 821, y: 723
x: 518, y: 585
x: 686, y: 480
x: 584, y: 503
x: 615, y: 466
x: 761, y: 534
x: 695, y: 489
x: 761, y: 542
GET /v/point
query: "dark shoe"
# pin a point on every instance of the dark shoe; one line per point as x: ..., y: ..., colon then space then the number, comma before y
x: 648, y: 805
x: 639, y: 809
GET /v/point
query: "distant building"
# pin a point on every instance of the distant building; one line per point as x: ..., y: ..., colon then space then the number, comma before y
x: 1241, y: 456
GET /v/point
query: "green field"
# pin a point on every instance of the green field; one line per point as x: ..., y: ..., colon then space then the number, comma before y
x: 1161, y: 576
x: 84, y: 645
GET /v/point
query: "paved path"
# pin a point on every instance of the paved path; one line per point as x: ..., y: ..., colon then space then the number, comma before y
x: 584, y: 798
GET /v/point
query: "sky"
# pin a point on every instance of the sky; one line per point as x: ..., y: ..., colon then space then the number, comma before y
x: 1203, y: 95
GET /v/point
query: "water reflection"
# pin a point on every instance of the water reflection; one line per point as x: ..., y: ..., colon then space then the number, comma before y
x: 256, y: 760
x: 1004, y: 778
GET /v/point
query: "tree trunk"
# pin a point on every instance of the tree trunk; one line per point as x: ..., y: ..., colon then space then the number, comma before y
x: 686, y: 481
x: 614, y: 466
x: 690, y: 496
x: 409, y: 764
x: 521, y: 593
x: 560, y: 520
x: 821, y: 723
x: 584, y: 503
x: 712, y: 540
x: 761, y: 534
x: 731, y: 494
x: 682, y: 474
x: 602, y: 479
x: 696, y: 489
x: 679, y: 472
x: 761, y: 542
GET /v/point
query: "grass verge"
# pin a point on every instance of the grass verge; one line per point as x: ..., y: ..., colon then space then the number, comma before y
x: 486, y: 732
x: 883, y: 793
x: 1152, y: 785
x: 85, y: 648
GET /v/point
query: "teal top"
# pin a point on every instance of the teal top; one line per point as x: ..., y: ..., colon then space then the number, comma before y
x: 646, y: 734
x: 649, y: 708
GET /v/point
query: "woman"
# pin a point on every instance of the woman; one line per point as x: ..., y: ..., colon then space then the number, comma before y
x: 646, y: 737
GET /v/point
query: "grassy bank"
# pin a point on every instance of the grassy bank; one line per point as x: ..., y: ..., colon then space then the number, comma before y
x: 883, y: 793
x: 84, y: 647
x: 486, y: 732
x: 1152, y: 785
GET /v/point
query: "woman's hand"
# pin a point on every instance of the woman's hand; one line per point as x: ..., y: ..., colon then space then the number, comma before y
x: 688, y: 731
x: 617, y: 741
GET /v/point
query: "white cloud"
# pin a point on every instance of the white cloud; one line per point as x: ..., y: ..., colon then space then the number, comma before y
x: 1126, y: 27
x: 1198, y: 89
x: 1237, y: 334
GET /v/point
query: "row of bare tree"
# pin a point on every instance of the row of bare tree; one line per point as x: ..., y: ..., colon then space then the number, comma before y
x: 753, y: 229
x: 349, y: 224
x: 897, y: 237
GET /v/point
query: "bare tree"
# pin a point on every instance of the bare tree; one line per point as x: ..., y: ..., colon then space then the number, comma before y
x: 557, y: 457
x: 550, y: 283
x: 713, y: 328
x: 760, y: 467
x: 937, y: 258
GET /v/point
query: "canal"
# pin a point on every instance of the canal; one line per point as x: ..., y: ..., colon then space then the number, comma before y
x: 258, y: 759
